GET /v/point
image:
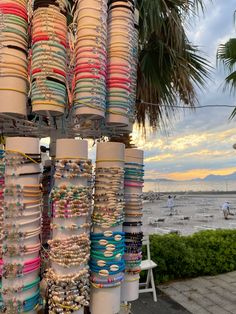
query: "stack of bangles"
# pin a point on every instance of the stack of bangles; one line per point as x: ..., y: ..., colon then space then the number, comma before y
x: 28, y: 304
x: 133, y: 216
x: 2, y: 182
x: 106, y: 263
x: 13, y: 271
x: 19, y: 250
x: 72, y: 251
x: 134, y: 175
x: 120, y: 61
x: 21, y: 306
x: 14, y: 52
x: 67, y: 293
x: 16, y: 160
x: 69, y: 250
x: 49, y: 57
x: 133, y: 252
x: 73, y: 168
x: 71, y: 201
x: 22, y: 230
x: 109, y: 197
x: 134, y: 66
x: 90, y: 58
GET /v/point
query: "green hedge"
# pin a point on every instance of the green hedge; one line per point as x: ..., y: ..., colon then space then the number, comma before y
x: 203, y: 253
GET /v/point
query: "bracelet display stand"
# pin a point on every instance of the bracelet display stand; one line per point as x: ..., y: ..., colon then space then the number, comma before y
x: 90, y: 59
x: 22, y: 225
x: 49, y: 58
x: 120, y: 80
x: 82, y: 83
x: 133, y: 215
x: 73, y: 171
x: 107, y: 219
x: 13, y: 50
x: 2, y: 179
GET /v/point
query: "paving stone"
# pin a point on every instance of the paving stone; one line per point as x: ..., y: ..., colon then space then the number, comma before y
x: 217, y: 299
x: 202, y: 311
x: 181, y: 286
x: 215, y: 309
x: 171, y: 291
x: 231, y: 308
x: 203, y: 282
x: 197, y: 287
x: 228, y: 278
x: 221, y: 283
x: 182, y: 299
x: 199, y: 299
x: 224, y: 293
x: 203, y: 295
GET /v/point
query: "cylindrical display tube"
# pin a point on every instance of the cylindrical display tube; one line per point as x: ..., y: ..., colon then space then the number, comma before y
x: 107, y: 238
x: 22, y: 225
x: 14, y: 55
x: 122, y: 63
x: 49, y: 57
x: 90, y: 59
x: 132, y: 225
x: 2, y: 181
x: 71, y: 201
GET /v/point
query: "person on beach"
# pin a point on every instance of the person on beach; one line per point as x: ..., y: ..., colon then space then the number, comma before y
x: 170, y: 204
x: 225, y: 209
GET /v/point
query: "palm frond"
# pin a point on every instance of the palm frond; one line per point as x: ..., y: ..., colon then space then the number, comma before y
x: 233, y: 114
x: 230, y: 82
x: 226, y: 54
x: 169, y: 66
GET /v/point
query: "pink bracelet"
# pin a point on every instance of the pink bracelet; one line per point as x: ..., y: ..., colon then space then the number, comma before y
x: 88, y: 76
x: 118, y: 79
x: 119, y: 86
x: 130, y: 183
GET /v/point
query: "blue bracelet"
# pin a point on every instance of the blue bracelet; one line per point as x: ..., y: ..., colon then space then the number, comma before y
x: 101, y: 235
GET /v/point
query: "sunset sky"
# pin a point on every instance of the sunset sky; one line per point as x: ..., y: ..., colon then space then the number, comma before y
x: 199, y: 143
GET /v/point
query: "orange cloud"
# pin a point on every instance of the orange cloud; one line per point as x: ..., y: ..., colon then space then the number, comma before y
x: 159, y: 157
x: 197, y: 173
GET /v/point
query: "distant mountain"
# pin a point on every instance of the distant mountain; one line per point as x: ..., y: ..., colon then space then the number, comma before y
x: 213, y: 177
x: 210, y: 177
x: 159, y: 180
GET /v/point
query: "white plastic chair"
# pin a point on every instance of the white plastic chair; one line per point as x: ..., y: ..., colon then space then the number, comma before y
x: 148, y: 265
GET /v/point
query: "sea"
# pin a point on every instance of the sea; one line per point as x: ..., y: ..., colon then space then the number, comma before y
x: 190, y: 186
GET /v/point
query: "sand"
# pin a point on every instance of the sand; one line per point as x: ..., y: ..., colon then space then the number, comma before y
x: 200, y: 212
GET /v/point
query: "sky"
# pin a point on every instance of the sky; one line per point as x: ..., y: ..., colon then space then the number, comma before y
x: 198, y: 143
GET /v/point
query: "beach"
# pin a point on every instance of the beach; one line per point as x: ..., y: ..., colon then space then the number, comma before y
x: 194, y: 212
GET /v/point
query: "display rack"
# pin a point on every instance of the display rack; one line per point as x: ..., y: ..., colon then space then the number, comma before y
x: 65, y: 82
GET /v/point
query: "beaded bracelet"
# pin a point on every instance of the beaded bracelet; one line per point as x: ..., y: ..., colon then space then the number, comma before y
x: 18, y: 289
x: 13, y: 271
x: 27, y: 305
x: 69, y: 288
x: 73, y: 168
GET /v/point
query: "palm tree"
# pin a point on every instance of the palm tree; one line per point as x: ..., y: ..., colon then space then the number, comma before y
x: 170, y: 67
x: 226, y: 54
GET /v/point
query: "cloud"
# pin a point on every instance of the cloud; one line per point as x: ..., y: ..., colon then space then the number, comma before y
x: 159, y: 157
x: 198, y: 173
x: 199, y: 142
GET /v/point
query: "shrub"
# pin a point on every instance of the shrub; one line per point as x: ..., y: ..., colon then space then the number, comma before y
x: 203, y: 253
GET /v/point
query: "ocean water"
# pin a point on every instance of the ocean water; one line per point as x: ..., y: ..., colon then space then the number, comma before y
x: 186, y: 186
